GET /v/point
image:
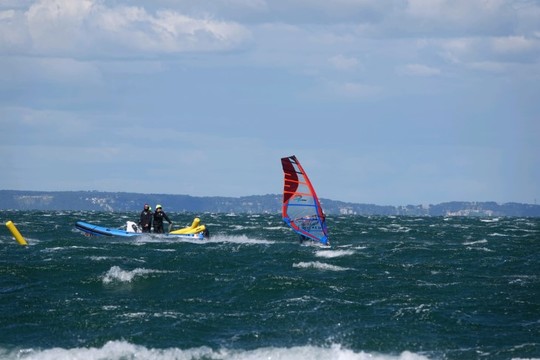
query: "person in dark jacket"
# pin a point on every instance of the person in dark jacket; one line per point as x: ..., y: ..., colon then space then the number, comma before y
x: 159, y: 215
x: 145, y: 221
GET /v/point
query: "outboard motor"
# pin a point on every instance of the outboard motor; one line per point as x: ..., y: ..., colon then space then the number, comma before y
x: 132, y: 227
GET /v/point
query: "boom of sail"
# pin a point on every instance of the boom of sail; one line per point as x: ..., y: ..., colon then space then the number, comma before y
x: 301, y: 209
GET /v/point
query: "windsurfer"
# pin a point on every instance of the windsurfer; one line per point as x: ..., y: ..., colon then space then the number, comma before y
x: 301, y: 209
x: 307, y: 221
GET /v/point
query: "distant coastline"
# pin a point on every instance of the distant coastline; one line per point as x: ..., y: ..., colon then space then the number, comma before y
x: 255, y: 204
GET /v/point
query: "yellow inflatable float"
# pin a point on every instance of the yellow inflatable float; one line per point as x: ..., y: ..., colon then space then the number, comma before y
x: 195, y: 228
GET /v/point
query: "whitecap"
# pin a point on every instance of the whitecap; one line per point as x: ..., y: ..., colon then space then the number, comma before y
x: 236, y: 239
x: 126, y: 350
x: 483, y: 241
x: 333, y: 253
x: 319, y: 265
x: 116, y: 274
x: 480, y: 249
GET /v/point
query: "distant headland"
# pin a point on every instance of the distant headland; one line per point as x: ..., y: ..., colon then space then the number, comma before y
x: 255, y: 204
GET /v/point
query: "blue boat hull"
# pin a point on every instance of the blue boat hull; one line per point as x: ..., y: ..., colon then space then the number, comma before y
x: 96, y: 230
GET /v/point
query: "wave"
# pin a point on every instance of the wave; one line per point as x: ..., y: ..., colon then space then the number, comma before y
x: 333, y: 253
x: 236, y: 239
x: 320, y: 266
x: 484, y: 241
x: 116, y: 274
x: 113, y: 350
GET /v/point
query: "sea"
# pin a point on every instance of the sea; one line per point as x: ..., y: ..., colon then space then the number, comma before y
x: 388, y: 288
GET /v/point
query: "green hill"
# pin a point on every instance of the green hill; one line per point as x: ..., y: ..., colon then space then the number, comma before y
x: 255, y: 204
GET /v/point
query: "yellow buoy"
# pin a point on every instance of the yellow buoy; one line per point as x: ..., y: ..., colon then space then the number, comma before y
x: 11, y: 226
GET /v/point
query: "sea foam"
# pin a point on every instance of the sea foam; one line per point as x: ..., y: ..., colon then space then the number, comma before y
x: 124, y: 350
x: 116, y: 274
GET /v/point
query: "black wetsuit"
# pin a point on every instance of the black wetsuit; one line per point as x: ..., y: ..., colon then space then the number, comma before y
x: 146, y: 220
x: 158, y: 221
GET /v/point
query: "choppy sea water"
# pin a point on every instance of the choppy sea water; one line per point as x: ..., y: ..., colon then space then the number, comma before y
x: 389, y: 288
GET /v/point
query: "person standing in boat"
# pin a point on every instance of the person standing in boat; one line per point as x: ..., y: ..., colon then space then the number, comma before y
x: 159, y: 215
x: 145, y: 221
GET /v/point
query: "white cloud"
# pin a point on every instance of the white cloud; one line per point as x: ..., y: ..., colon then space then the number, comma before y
x: 57, y: 25
x: 356, y: 90
x: 167, y: 32
x: 6, y: 15
x: 13, y: 37
x: 515, y: 44
x: 461, y: 11
x: 90, y: 28
x: 489, y: 66
x: 342, y: 62
x: 478, y: 52
x: 418, y: 70
x: 123, y: 80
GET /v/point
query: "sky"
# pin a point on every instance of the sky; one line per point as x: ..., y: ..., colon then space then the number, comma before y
x: 391, y: 102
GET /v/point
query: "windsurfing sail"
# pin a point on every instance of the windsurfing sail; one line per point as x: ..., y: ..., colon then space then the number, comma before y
x: 301, y: 209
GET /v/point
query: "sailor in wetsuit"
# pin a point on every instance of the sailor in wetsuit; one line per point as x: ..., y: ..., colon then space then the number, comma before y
x: 145, y: 221
x: 159, y: 215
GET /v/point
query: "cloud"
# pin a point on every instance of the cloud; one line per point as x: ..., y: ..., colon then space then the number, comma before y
x: 515, y: 44
x: 91, y: 28
x: 418, y: 70
x: 488, y: 66
x: 356, y: 90
x: 490, y: 52
x: 342, y: 62
x: 464, y: 12
x: 203, y: 80
x: 13, y: 37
